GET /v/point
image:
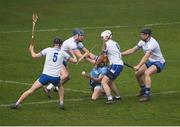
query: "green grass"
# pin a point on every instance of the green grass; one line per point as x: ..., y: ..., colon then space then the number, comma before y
x: 16, y: 63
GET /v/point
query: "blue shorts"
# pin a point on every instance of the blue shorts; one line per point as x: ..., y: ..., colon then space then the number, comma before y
x: 114, y: 70
x: 158, y: 65
x: 93, y: 85
x: 46, y: 79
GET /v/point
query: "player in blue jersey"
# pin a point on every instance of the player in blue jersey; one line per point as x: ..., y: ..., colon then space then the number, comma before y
x: 95, y: 77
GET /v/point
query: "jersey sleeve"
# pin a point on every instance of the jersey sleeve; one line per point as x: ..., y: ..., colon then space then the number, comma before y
x: 45, y: 51
x: 80, y: 45
x: 66, y: 56
x: 140, y: 44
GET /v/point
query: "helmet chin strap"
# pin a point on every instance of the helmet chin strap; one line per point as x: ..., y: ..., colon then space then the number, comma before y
x: 146, y: 39
x: 107, y: 37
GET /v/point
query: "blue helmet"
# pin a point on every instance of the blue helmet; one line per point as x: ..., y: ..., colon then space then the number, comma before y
x: 78, y: 32
x: 146, y: 31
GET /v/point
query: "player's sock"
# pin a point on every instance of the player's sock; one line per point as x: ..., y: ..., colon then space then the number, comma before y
x: 56, y: 88
x: 17, y: 103
x: 117, y: 96
x: 109, y: 97
x: 147, y: 91
x: 61, y: 103
x: 143, y: 88
x: 50, y: 86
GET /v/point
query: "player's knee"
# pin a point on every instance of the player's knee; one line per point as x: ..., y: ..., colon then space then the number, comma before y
x: 104, y: 81
x: 137, y: 73
x: 68, y: 78
x: 93, y: 98
x: 147, y: 73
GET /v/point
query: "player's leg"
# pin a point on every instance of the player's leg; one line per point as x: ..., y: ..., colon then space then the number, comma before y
x: 140, y: 78
x: 96, y: 93
x: 64, y: 78
x: 27, y: 93
x: 115, y: 90
x: 147, y: 77
x: 107, y: 90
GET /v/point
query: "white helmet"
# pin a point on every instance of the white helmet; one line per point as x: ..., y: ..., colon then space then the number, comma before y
x: 107, y: 34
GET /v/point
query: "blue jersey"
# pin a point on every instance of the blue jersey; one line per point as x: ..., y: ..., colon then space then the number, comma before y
x: 95, y: 73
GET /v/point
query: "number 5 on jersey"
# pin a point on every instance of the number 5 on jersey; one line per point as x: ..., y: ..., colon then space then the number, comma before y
x: 55, y: 57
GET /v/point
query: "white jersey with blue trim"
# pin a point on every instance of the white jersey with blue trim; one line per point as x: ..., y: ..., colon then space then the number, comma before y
x: 71, y: 44
x: 113, y: 52
x: 152, y: 45
x: 53, y: 61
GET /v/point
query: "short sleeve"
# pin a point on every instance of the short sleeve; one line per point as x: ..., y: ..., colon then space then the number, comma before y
x: 140, y: 44
x: 45, y: 51
x: 66, y: 55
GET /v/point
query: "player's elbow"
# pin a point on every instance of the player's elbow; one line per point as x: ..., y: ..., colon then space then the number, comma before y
x: 34, y: 56
x: 74, y: 61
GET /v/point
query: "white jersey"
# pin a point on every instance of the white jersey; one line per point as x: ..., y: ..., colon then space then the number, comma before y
x: 71, y: 44
x: 152, y: 45
x: 53, y: 61
x: 113, y: 52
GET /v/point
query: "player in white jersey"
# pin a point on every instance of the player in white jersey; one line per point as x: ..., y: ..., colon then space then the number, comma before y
x: 52, y: 67
x: 152, y: 62
x: 112, y: 51
x: 75, y: 44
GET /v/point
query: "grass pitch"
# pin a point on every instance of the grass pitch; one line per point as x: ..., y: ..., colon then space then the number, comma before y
x: 58, y: 18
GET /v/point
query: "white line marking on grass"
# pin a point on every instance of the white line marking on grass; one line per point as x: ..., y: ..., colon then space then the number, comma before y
x: 89, y: 28
x: 29, y: 84
x: 82, y: 99
x: 46, y: 102
x: 73, y: 90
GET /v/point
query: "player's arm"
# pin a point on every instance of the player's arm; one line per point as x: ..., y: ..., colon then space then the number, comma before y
x: 97, y: 79
x: 90, y: 55
x: 130, y: 51
x: 31, y: 49
x: 143, y: 60
x: 80, y: 56
x: 72, y: 59
x: 92, y: 78
x: 102, y: 56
